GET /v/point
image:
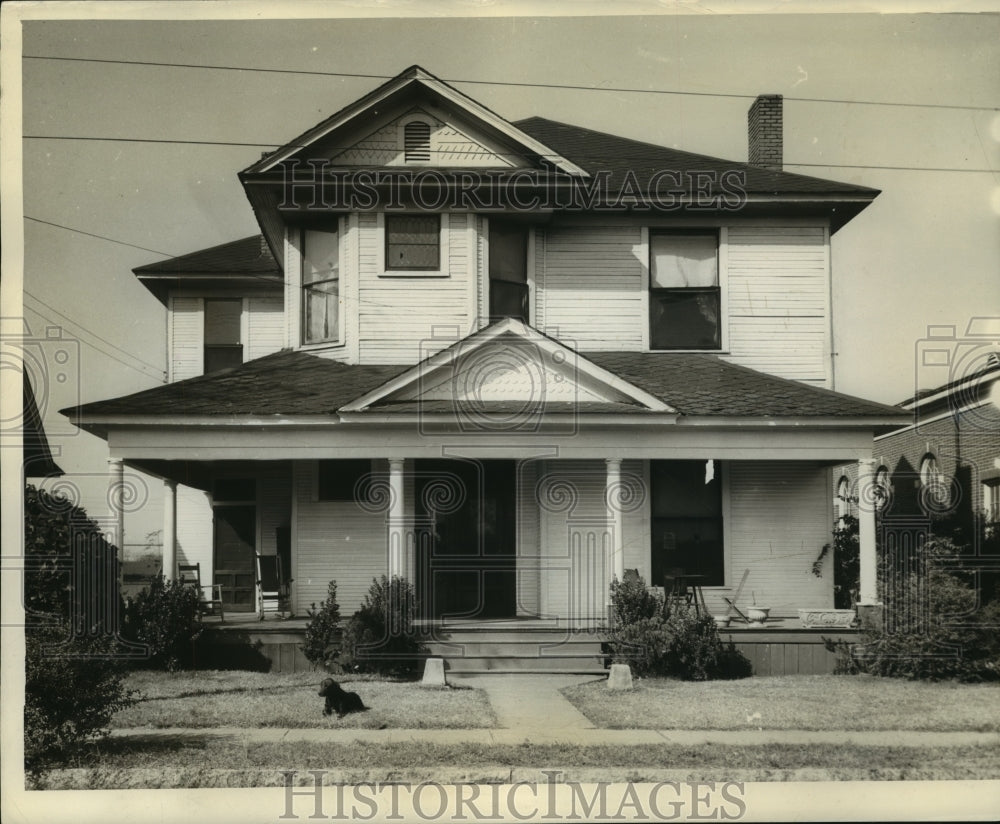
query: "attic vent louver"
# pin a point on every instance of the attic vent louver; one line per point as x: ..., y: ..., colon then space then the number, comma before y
x: 417, y: 141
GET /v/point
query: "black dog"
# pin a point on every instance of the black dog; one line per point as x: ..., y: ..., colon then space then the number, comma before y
x: 338, y: 700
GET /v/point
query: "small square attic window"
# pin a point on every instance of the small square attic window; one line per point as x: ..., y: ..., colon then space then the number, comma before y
x: 417, y: 141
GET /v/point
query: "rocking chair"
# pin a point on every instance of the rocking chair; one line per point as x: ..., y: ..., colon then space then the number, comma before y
x: 190, y: 575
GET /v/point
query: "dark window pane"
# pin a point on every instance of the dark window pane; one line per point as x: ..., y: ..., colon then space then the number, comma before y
x: 508, y: 300
x: 222, y: 321
x: 222, y: 357
x: 508, y: 252
x: 686, y: 522
x: 412, y: 241
x: 338, y: 479
x: 684, y: 319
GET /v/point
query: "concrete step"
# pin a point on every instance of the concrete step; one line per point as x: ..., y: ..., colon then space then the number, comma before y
x: 513, y: 636
x: 534, y: 664
x: 520, y: 649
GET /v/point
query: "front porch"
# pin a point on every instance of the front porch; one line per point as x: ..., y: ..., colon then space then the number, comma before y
x: 781, y: 647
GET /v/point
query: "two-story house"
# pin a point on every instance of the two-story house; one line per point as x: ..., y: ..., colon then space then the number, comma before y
x: 508, y: 361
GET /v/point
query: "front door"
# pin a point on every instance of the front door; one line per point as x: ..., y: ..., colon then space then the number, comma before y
x: 235, y: 542
x: 468, y: 513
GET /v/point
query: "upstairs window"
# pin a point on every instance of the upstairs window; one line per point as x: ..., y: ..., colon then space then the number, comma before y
x: 508, y: 271
x: 413, y: 242
x: 684, y: 294
x: 417, y: 142
x: 223, y: 347
x: 320, y: 286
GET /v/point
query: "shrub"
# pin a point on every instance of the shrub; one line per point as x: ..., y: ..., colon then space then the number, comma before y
x: 324, y: 632
x: 931, y: 629
x: 681, y: 643
x: 846, y: 562
x: 74, y: 684
x: 164, y: 617
x: 380, y: 636
x: 632, y: 601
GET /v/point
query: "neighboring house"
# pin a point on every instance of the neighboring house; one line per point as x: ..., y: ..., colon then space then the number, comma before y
x: 508, y: 361
x: 941, y: 473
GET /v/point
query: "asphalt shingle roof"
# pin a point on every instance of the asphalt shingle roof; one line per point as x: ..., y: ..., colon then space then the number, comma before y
x: 595, y: 151
x: 295, y: 383
x: 248, y: 256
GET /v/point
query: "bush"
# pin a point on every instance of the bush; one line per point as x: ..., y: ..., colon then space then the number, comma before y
x: 632, y: 601
x: 380, y: 636
x: 681, y: 644
x: 164, y: 617
x: 846, y: 548
x: 931, y: 628
x: 74, y: 684
x: 324, y: 632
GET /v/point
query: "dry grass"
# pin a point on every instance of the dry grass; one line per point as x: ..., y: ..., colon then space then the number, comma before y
x: 805, y: 702
x: 249, y: 699
x: 120, y: 764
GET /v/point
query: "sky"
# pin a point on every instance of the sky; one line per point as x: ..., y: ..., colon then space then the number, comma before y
x: 927, y: 251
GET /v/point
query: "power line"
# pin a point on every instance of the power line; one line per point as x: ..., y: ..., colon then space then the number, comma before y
x: 103, y: 351
x: 580, y: 158
x: 89, y: 332
x: 512, y: 84
x: 99, y: 237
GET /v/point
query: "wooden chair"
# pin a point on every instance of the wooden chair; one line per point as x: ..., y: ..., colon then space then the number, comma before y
x: 270, y: 585
x: 190, y: 575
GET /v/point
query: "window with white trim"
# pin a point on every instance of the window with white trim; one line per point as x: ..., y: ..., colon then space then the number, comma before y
x: 685, y: 298
x: 934, y: 491
x: 508, y: 271
x: 991, y: 502
x: 223, y: 323
x: 413, y: 242
x: 320, y: 286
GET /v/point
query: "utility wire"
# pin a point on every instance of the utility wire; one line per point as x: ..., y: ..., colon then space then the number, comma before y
x: 559, y: 86
x: 99, y: 237
x: 619, y: 156
x: 159, y: 372
x: 89, y: 332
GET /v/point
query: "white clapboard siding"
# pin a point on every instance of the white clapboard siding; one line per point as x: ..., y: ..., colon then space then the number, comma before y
x: 778, y: 295
x: 194, y: 530
x: 403, y: 319
x: 186, y: 338
x: 527, y: 540
x: 335, y: 540
x: 575, y: 542
x: 635, y: 518
x: 592, y: 286
x: 274, y: 505
x: 265, y: 327
x: 778, y: 522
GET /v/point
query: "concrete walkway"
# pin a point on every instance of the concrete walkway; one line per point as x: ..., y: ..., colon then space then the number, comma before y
x: 530, y: 702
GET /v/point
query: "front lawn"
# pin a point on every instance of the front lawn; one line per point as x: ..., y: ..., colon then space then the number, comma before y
x: 231, y: 698
x: 795, y: 702
x: 125, y: 764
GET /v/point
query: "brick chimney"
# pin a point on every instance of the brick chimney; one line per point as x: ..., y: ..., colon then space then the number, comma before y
x: 764, y: 128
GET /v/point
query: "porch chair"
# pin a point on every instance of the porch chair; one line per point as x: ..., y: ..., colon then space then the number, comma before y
x: 270, y: 585
x: 190, y: 575
x: 731, y: 602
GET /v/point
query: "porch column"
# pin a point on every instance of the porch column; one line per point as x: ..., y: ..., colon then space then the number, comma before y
x: 116, y: 508
x: 868, y: 595
x: 612, y: 498
x: 170, y: 530
x: 397, y: 534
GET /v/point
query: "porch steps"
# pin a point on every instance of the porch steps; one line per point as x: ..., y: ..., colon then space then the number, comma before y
x: 528, y: 649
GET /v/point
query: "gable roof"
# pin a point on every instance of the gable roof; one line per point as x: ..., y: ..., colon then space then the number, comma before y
x: 290, y: 384
x: 505, y: 348
x: 393, y: 89
x: 595, y: 150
